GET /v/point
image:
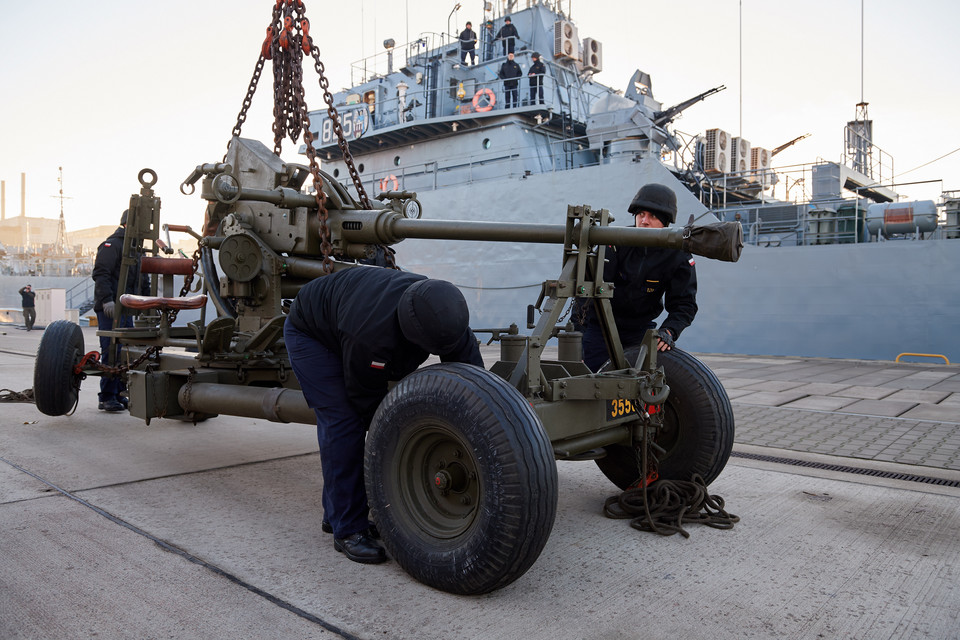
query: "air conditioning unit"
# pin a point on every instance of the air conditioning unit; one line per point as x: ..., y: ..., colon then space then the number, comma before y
x: 565, y: 41
x: 740, y: 161
x: 760, y: 158
x: 592, y: 55
x: 716, y: 151
x: 760, y: 162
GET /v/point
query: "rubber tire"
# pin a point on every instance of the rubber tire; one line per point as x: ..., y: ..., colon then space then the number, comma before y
x: 469, y: 417
x: 55, y: 386
x: 698, y: 427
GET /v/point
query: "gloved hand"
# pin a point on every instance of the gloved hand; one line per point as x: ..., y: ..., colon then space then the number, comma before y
x: 108, y: 309
x: 666, y: 340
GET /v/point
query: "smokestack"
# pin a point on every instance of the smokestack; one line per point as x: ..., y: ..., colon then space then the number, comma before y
x: 23, y: 195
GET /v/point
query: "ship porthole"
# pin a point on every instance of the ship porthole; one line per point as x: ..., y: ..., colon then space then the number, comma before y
x: 336, y: 173
x: 486, y: 143
x: 396, y: 161
x: 360, y: 167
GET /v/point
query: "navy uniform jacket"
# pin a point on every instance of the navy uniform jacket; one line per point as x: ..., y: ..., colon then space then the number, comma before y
x: 647, y: 279
x: 468, y: 40
x: 353, y: 313
x: 507, y: 31
x: 509, y: 72
x: 106, y: 272
x: 537, y: 69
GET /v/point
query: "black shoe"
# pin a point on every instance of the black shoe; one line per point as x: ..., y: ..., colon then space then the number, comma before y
x: 124, y: 401
x: 326, y: 527
x: 111, y: 405
x: 360, y: 547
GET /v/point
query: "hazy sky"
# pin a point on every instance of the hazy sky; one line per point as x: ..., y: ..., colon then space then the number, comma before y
x: 104, y: 89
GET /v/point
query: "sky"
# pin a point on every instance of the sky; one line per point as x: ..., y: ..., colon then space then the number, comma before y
x: 105, y: 89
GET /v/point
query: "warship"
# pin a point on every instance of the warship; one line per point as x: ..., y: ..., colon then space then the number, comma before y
x: 840, y: 267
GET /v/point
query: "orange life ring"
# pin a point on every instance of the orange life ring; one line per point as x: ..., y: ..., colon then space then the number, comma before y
x: 491, y: 100
x: 385, y: 182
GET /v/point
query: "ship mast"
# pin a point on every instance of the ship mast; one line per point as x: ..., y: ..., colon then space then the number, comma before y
x: 60, y: 247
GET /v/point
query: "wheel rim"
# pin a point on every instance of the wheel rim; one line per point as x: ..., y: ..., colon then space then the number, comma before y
x: 437, y: 478
x: 669, y: 433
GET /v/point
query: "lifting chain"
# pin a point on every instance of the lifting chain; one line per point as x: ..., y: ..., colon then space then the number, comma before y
x: 187, y: 281
x: 286, y: 44
x: 92, y: 359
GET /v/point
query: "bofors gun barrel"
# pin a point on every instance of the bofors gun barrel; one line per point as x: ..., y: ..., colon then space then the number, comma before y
x: 721, y: 241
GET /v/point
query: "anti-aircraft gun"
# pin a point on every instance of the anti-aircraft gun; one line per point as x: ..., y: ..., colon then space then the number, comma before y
x: 459, y: 466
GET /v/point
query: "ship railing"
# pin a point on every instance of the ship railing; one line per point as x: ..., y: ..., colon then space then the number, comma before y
x: 427, y: 47
x: 487, y: 163
x: 423, y: 104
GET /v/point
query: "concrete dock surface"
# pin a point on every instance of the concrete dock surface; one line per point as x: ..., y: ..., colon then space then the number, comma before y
x: 845, y: 474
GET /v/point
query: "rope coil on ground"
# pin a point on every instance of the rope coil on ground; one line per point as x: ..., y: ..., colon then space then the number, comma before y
x: 8, y: 395
x: 666, y: 505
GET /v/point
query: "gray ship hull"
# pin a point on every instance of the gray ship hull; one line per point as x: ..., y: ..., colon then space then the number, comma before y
x: 869, y: 301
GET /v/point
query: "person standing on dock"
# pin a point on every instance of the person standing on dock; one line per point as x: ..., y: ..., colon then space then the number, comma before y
x: 508, y: 34
x: 106, y: 279
x: 509, y: 73
x: 536, y: 73
x: 348, y: 335
x: 27, y: 295
x: 645, y: 281
x: 468, y: 44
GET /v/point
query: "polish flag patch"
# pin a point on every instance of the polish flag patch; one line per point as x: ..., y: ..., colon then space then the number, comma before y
x: 377, y: 365
x: 692, y: 262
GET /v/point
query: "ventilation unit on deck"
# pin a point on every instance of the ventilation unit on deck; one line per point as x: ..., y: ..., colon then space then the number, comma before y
x: 565, y: 41
x: 740, y: 156
x: 716, y: 151
x: 592, y: 55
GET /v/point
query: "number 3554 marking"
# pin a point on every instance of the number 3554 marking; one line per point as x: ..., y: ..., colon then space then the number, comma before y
x: 620, y: 408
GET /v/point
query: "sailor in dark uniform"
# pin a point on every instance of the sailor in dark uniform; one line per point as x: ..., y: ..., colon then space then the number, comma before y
x: 508, y: 34
x: 646, y: 280
x: 537, y: 70
x: 509, y: 73
x: 106, y: 280
x: 348, y: 334
x: 468, y: 44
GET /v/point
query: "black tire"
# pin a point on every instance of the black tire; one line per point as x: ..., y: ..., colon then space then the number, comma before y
x: 698, y: 426
x: 55, y: 386
x: 461, y: 479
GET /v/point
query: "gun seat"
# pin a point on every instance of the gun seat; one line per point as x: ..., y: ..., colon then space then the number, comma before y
x: 132, y: 301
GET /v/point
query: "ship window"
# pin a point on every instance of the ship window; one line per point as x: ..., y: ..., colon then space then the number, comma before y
x: 360, y: 167
x: 336, y: 173
x: 486, y: 143
x: 396, y: 161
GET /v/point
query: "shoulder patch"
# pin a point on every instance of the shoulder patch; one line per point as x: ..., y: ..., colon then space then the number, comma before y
x: 377, y: 365
x: 106, y: 244
x: 692, y: 262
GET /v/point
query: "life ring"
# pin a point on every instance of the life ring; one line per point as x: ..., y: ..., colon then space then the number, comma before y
x: 386, y: 181
x: 491, y: 100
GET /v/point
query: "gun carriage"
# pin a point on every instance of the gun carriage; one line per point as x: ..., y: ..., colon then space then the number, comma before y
x: 459, y: 463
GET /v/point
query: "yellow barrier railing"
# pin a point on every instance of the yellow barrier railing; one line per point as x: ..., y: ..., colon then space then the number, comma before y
x: 923, y: 355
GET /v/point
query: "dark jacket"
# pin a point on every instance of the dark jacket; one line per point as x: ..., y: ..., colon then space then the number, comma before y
x: 27, y: 297
x: 106, y: 272
x: 353, y: 313
x: 468, y: 39
x: 507, y: 31
x: 509, y: 72
x: 647, y: 279
x: 537, y: 69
